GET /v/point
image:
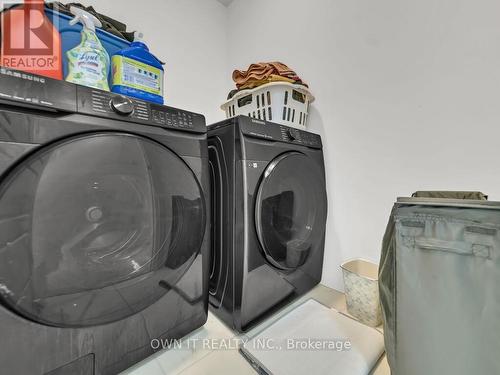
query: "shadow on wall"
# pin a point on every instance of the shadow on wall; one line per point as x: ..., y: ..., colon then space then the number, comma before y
x: 333, y: 253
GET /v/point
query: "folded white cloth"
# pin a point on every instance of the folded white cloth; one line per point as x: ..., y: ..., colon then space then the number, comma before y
x: 313, y: 339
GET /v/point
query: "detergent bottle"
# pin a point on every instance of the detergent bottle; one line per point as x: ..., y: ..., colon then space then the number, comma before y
x: 29, y: 41
x: 138, y: 73
x: 88, y: 63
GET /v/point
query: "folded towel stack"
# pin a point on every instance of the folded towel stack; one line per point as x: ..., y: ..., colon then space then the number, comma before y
x: 261, y: 73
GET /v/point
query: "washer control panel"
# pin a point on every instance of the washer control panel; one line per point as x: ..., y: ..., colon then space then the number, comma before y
x: 40, y: 92
x: 275, y: 132
x: 120, y: 107
x: 176, y: 118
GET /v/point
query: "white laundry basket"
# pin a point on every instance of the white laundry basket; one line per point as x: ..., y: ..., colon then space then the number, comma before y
x: 361, y: 291
x: 280, y: 102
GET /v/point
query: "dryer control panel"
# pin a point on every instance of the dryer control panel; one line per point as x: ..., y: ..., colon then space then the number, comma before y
x: 281, y: 133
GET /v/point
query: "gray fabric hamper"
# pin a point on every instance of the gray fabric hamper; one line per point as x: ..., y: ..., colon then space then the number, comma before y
x: 439, y: 281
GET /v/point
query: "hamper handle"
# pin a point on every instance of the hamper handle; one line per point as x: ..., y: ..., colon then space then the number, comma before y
x: 454, y: 247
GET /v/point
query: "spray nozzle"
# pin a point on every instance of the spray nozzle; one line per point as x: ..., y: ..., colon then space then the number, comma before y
x: 138, y: 36
x: 88, y: 20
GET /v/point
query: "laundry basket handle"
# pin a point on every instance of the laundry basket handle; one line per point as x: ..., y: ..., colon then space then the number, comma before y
x: 454, y: 247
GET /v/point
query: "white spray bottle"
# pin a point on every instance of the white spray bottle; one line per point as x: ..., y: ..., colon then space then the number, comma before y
x: 89, y: 62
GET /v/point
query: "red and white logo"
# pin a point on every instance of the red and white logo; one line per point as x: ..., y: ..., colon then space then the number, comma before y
x: 30, y: 42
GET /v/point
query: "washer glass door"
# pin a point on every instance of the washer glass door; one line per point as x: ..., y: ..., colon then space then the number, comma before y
x: 96, y: 228
x: 290, y: 210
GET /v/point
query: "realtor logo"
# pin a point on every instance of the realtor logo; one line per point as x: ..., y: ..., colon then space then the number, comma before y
x: 29, y: 40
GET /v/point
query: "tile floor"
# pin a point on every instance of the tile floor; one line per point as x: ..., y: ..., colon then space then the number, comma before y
x: 190, y: 360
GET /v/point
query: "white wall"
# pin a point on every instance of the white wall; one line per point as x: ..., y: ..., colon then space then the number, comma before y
x: 190, y: 37
x: 407, y: 91
x: 408, y: 98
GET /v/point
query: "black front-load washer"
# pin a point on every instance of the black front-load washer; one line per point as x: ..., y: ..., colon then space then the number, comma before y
x: 269, y: 212
x: 104, y: 241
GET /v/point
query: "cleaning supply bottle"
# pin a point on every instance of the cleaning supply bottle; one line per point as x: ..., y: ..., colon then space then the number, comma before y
x: 138, y: 73
x: 88, y: 63
x: 30, y: 42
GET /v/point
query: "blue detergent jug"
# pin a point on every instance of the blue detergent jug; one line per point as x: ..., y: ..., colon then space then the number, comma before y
x: 138, y: 73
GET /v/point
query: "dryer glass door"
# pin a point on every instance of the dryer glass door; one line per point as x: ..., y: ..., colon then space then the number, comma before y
x: 290, y: 210
x: 96, y: 228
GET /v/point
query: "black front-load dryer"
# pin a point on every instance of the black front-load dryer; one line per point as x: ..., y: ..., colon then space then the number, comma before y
x: 269, y: 212
x: 103, y: 227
